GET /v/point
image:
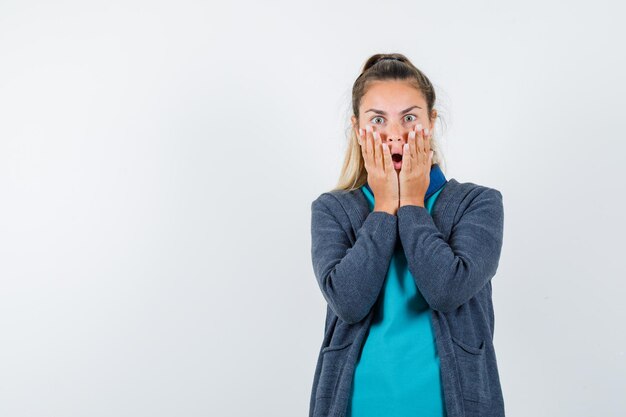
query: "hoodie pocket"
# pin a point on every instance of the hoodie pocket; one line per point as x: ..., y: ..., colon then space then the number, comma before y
x: 334, y: 359
x: 473, y: 371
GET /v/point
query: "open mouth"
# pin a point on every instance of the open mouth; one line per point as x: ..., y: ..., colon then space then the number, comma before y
x: 397, y: 157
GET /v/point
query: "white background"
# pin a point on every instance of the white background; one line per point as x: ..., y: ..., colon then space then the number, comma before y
x: 158, y: 161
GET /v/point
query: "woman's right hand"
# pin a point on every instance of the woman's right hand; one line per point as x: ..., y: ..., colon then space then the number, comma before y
x: 381, y: 175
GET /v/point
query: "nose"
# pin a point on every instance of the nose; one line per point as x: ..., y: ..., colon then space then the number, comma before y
x: 395, y: 138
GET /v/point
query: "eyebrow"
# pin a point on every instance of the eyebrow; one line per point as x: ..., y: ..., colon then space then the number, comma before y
x: 384, y: 113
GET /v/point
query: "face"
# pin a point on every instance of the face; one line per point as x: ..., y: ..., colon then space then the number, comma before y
x: 392, y: 108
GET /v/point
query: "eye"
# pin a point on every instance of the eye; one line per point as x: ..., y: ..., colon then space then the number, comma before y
x: 411, y: 115
x: 374, y: 118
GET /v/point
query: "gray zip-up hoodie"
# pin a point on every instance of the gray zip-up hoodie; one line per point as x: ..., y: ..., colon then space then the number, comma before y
x: 452, y: 256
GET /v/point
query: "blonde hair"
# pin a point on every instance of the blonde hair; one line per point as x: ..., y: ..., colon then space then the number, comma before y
x: 382, y: 67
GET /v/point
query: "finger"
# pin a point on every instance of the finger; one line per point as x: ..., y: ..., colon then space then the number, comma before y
x: 420, y: 146
x: 372, y: 142
x: 363, y: 146
x: 387, y: 161
x: 359, y: 139
x: 369, y: 145
x: 412, y: 148
x: 406, y: 161
x: 427, y: 136
x: 429, y: 150
x: 365, y: 150
x: 378, y: 153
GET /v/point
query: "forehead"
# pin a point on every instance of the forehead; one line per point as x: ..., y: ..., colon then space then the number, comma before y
x: 392, y: 95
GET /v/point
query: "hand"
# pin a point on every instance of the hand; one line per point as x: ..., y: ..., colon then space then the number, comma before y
x: 414, y: 175
x: 381, y: 176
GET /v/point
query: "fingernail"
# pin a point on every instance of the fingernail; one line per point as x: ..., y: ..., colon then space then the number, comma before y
x: 426, y: 131
x: 419, y: 126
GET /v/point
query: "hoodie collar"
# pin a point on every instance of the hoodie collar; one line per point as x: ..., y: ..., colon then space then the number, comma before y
x: 437, y: 180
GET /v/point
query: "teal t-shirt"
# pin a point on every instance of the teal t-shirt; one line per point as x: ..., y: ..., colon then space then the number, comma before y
x: 397, y: 373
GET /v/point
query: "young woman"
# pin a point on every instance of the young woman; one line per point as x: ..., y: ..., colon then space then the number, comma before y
x: 404, y: 258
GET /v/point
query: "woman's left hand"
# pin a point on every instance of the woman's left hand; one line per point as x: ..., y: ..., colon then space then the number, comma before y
x: 414, y: 177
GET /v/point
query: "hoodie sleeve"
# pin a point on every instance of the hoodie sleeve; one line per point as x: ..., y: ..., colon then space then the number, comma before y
x: 350, y: 275
x: 448, y: 274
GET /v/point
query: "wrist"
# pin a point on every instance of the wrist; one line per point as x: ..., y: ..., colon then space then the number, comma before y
x: 412, y: 202
x: 387, y: 209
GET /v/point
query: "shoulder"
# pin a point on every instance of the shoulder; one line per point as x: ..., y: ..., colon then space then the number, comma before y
x: 470, y: 190
x: 334, y: 200
x: 469, y: 200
